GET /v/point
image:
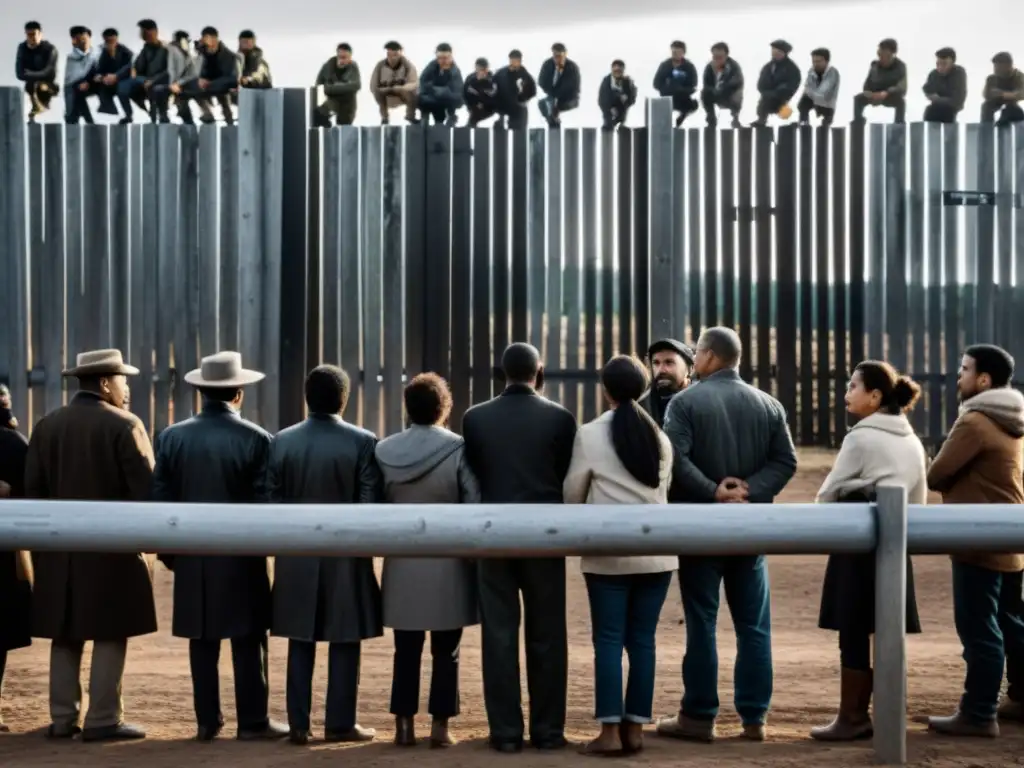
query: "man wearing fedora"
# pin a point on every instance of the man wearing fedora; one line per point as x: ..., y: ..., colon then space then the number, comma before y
x: 219, y: 457
x: 92, y: 449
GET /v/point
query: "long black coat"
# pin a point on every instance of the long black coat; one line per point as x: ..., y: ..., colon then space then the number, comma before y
x: 15, y: 593
x: 324, y: 460
x: 216, y: 457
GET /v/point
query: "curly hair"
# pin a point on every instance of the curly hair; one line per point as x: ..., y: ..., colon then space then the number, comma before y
x: 428, y: 400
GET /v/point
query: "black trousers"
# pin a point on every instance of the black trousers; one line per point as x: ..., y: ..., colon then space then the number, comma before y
x: 479, y: 114
x: 76, y: 103
x: 342, y: 685
x: 769, y: 105
x: 711, y: 102
x: 1012, y: 584
x: 444, y: 673
x: 439, y: 109
x: 107, y: 94
x: 855, y: 650
x: 893, y: 101
x: 940, y: 113
x: 1008, y: 112
x: 542, y: 583
x: 191, y: 91
x: 518, y: 117
x: 685, y: 105
x: 249, y: 659
x: 614, y: 117
x: 805, y: 106
x: 3, y: 668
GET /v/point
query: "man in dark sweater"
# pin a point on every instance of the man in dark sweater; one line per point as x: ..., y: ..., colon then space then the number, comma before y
x: 516, y: 87
x: 341, y: 81
x: 778, y: 83
x: 885, y: 85
x: 36, y: 67
x: 617, y: 94
x: 219, y: 73
x: 149, y: 69
x: 722, y: 86
x: 1004, y: 89
x: 441, y: 88
x: 945, y: 88
x: 480, y: 93
x: 113, y: 67
x: 671, y: 362
x: 559, y: 78
x: 676, y: 79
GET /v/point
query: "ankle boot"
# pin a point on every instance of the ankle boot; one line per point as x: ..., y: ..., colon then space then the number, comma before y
x: 440, y: 737
x: 405, y: 732
x: 853, y: 721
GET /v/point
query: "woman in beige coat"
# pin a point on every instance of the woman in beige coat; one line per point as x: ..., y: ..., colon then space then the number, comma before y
x: 425, y: 465
x: 880, y: 448
x: 623, y: 457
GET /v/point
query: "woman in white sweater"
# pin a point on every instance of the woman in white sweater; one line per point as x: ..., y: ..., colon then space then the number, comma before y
x: 623, y: 457
x: 880, y: 448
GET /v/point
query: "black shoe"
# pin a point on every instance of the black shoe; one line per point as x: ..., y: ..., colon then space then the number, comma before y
x: 62, y: 731
x: 272, y: 731
x: 506, y: 747
x: 122, y: 732
x: 208, y: 733
x: 299, y: 738
x: 549, y: 744
x: 353, y: 735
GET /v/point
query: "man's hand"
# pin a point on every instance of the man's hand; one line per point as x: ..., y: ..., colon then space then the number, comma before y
x: 244, y: 80
x: 147, y: 84
x: 83, y: 87
x: 110, y: 79
x: 98, y: 79
x: 732, y: 490
x: 5, y: 490
x: 204, y: 83
x: 175, y: 88
x: 880, y: 95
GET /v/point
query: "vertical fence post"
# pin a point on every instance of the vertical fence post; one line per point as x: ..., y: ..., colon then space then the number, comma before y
x: 660, y: 219
x: 890, y: 710
x: 14, y: 250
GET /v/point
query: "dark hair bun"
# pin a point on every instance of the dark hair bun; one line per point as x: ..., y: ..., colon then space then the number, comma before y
x: 905, y: 392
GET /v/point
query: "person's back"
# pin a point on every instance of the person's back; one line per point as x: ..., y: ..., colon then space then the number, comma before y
x: 318, y: 462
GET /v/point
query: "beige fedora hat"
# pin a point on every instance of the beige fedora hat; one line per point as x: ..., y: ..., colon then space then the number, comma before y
x: 101, y: 362
x: 224, y: 369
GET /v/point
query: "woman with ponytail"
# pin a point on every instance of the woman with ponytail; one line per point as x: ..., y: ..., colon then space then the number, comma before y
x: 622, y: 457
x: 880, y: 448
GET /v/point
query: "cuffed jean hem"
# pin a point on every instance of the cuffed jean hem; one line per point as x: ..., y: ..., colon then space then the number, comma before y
x: 613, y: 719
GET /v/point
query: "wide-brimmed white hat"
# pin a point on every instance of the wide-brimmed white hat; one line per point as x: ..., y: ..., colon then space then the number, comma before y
x: 223, y: 369
x: 101, y: 362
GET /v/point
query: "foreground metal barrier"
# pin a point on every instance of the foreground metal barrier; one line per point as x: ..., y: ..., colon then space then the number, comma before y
x: 553, y: 529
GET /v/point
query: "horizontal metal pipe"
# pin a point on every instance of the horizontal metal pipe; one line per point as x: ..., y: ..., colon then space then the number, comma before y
x: 943, y: 528
x: 427, y: 530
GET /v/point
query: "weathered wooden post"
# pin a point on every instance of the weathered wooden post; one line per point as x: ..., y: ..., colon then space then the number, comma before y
x: 661, y: 214
x: 14, y: 250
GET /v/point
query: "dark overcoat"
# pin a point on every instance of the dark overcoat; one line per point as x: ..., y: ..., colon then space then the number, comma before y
x: 215, y: 457
x: 15, y: 589
x: 325, y: 460
x: 91, y: 450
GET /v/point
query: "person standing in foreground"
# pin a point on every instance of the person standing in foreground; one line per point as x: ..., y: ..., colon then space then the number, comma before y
x: 623, y: 457
x: 519, y: 446
x: 732, y: 446
x: 92, y: 449
x: 980, y: 463
x: 426, y: 464
x: 218, y: 457
x: 325, y: 460
x: 881, y: 448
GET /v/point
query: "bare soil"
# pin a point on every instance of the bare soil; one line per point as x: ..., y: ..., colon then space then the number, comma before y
x: 158, y: 691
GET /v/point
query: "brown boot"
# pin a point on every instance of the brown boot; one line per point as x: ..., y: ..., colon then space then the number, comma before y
x: 405, y: 732
x: 960, y: 725
x: 440, y: 736
x: 853, y: 721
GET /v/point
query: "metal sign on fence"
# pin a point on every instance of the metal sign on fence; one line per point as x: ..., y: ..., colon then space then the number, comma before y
x: 954, y: 197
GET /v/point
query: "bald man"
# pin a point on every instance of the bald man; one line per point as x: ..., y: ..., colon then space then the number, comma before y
x: 732, y: 446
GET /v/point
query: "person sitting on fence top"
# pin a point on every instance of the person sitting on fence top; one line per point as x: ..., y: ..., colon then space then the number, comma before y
x: 148, y: 70
x: 339, y: 77
x: 885, y: 85
x: 778, y: 82
x: 219, y: 73
x: 255, y: 69
x: 821, y: 88
x: 395, y: 82
x: 516, y: 87
x: 78, y: 71
x: 980, y: 463
x: 36, y: 66
x: 722, y: 86
x: 616, y: 95
x: 480, y: 93
x: 676, y: 78
x: 113, y: 66
x: 1004, y: 89
x: 946, y: 88
x: 441, y: 88
x: 881, y: 448
x: 559, y: 78
x: 182, y: 68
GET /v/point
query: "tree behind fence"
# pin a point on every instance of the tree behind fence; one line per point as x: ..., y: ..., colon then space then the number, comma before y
x: 395, y: 250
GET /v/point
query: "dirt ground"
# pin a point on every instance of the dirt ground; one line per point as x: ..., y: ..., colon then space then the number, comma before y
x: 158, y: 694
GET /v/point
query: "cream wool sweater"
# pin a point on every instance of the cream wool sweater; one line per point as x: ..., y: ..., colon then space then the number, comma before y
x: 879, y: 449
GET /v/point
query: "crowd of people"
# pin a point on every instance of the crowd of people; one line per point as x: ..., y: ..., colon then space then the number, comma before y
x: 661, y: 439
x: 208, y: 71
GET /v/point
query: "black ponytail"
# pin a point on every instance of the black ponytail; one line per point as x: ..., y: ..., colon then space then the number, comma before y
x: 635, y: 436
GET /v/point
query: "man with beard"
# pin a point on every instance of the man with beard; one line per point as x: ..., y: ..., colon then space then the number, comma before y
x: 671, y: 362
x: 339, y: 77
x: 516, y: 87
x: 219, y: 73
x: 394, y: 82
x: 980, y: 463
x: 722, y: 86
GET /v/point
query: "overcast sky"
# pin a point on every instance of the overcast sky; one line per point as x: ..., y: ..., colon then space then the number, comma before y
x: 298, y: 36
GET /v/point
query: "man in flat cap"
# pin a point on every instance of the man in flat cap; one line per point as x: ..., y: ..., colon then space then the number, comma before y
x: 219, y: 457
x: 671, y: 362
x: 92, y: 449
x: 778, y: 83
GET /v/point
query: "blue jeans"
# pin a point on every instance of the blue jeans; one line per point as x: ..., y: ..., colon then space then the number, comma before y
x: 624, y: 612
x: 746, y: 592
x: 986, y: 611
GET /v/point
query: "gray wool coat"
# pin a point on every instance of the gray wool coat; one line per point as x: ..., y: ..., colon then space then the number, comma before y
x: 426, y: 465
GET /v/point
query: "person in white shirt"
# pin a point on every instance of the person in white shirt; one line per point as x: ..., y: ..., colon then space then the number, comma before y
x: 623, y: 457
x: 821, y: 89
x: 880, y: 448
